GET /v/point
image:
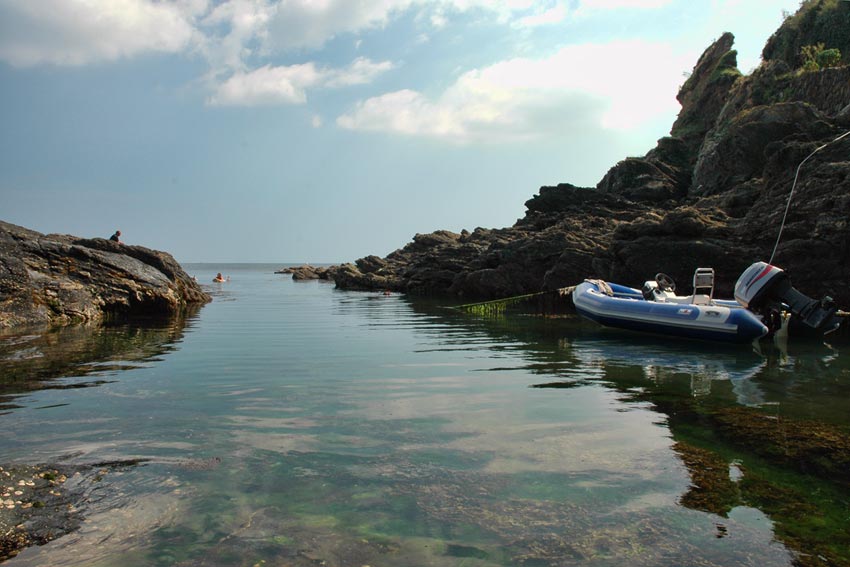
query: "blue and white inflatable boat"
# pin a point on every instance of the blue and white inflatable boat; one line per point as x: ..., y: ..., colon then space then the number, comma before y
x: 657, y: 309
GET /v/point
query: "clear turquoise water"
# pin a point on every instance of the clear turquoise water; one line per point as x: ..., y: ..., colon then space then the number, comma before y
x: 294, y: 424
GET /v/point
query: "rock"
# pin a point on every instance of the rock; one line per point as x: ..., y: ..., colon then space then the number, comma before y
x: 705, y: 92
x: 737, y: 152
x: 371, y: 264
x: 54, y: 502
x: 308, y: 272
x: 639, y: 180
x: 560, y: 198
x: 712, y: 194
x: 59, y: 279
x: 348, y: 276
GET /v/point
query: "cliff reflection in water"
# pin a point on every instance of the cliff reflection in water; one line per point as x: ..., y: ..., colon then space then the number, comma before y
x: 762, y: 430
x: 79, y: 356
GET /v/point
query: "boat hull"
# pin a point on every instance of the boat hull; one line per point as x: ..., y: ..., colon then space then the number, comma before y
x: 627, y: 309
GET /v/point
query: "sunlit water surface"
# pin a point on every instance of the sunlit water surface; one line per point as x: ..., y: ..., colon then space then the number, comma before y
x: 294, y: 424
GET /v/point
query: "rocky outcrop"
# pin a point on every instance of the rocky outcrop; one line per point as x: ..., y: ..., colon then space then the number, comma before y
x: 704, y: 94
x: 306, y: 272
x: 737, y: 151
x: 58, y: 279
x: 713, y: 193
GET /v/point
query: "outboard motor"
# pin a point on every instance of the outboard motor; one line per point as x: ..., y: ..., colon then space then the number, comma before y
x: 766, y: 290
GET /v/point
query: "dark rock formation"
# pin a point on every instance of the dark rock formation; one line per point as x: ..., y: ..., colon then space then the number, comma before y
x: 58, y: 279
x: 306, y: 272
x: 712, y: 194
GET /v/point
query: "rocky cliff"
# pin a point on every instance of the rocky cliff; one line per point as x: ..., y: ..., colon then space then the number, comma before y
x: 712, y: 193
x: 58, y: 279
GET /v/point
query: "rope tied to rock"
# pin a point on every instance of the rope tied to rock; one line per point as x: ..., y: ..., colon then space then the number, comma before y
x: 793, y: 186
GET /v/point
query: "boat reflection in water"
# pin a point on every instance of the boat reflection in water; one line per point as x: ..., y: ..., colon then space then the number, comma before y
x: 699, y: 365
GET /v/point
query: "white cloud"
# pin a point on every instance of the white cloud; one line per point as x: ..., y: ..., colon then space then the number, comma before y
x: 621, y: 4
x: 620, y: 85
x: 270, y: 85
x: 244, y: 22
x: 360, y: 72
x: 299, y: 24
x: 266, y: 85
x: 310, y: 24
x: 405, y: 112
x: 77, y: 32
x: 553, y: 15
x: 228, y: 33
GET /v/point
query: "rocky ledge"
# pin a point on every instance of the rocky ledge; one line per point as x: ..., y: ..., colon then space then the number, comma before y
x: 59, y: 279
x: 711, y: 194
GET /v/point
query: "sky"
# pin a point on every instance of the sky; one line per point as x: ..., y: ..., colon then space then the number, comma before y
x: 323, y: 131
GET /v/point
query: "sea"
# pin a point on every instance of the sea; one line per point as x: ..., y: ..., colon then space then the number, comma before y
x: 293, y: 424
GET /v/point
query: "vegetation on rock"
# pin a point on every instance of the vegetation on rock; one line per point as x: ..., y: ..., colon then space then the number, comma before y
x: 825, y: 22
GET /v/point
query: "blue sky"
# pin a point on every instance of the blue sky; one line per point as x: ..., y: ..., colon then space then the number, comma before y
x: 326, y: 130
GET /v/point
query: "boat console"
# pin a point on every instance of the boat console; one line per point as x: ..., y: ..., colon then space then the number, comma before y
x: 767, y: 290
x: 663, y: 289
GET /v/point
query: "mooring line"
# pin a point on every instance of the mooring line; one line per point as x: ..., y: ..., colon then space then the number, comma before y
x: 793, y: 186
x: 497, y: 306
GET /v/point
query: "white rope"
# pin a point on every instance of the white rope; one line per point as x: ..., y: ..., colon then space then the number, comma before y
x: 791, y: 194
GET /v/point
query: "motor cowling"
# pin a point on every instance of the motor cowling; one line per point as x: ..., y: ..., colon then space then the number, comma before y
x: 767, y: 290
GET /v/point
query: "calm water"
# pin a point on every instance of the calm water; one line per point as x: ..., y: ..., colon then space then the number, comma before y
x: 293, y: 424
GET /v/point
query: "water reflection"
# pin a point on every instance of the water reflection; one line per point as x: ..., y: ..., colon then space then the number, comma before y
x: 80, y: 356
x: 697, y: 365
x: 302, y: 426
x: 762, y: 431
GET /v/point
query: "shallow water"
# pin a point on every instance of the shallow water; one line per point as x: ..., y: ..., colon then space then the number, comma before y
x: 290, y: 423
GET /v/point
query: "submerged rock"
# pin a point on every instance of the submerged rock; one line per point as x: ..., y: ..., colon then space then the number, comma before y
x: 40, y: 503
x: 60, y: 279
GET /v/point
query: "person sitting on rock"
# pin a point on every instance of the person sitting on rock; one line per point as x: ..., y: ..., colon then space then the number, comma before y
x: 116, y: 237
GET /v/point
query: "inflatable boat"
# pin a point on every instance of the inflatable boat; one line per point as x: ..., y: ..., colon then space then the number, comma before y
x: 763, y: 296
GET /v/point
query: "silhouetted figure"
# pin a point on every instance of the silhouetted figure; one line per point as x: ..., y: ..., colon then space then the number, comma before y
x: 116, y: 237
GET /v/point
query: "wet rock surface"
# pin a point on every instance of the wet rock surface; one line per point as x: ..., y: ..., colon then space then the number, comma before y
x: 58, y: 279
x: 711, y: 194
